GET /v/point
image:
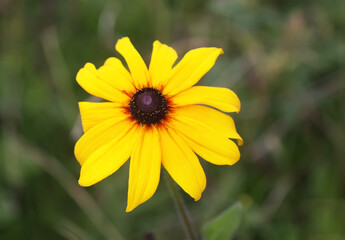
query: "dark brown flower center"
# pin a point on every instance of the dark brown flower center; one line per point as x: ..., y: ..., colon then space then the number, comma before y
x: 148, y: 106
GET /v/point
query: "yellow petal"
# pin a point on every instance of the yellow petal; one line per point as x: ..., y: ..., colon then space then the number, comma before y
x: 162, y: 59
x: 145, y: 167
x: 218, y: 121
x: 193, y: 66
x: 221, y: 98
x: 108, y: 158
x: 182, y: 164
x: 100, y: 135
x: 116, y: 75
x: 206, y: 141
x: 94, y: 113
x: 88, y: 78
x: 134, y: 61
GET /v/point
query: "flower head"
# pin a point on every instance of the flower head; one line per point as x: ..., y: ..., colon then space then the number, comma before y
x: 155, y: 117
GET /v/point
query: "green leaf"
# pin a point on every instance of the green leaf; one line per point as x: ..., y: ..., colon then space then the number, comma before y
x: 224, y: 225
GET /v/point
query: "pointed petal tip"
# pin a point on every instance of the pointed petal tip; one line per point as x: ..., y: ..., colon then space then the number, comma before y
x: 239, y: 106
x: 120, y: 41
x: 129, y: 209
x: 83, y: 183
x: 156, y: 42
x: 124, y: 38
x: 198, y: 195
x: 77, y: 156
x: 236, y: 159
x: 131, y: 206
x: 197, y: 198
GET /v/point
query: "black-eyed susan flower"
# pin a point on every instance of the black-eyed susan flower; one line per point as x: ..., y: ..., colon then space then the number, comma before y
x: 155, y: 117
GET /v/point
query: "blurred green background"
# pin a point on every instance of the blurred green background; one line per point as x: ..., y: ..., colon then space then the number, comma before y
x: 284, y: 59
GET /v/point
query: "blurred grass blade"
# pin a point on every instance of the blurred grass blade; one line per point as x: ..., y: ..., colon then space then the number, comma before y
x: 224, y: 225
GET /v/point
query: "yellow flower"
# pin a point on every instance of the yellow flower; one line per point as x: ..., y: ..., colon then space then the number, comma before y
x: 155, y: 116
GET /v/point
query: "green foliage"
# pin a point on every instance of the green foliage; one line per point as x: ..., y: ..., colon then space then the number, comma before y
x: 224, y: 226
